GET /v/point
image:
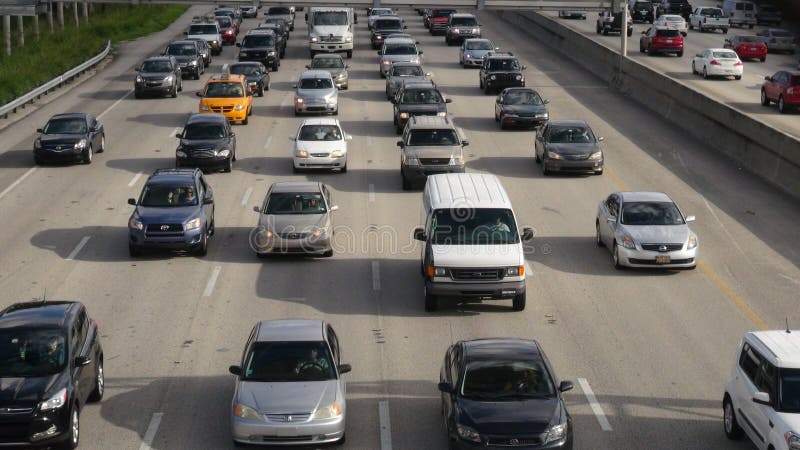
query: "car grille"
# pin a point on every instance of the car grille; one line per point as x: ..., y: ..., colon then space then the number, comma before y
x: 14, y: 432
x: 476, y: 274
x: 286, y: 438
x: 576, y: 157
x: 164, y: 230
x: 320, y: 155
x: 512, y: 441
x: 252, y: 54
x: 423, y: 113
x: 652, y: 262
x: 288, y: 417
x: 315, y: 108
x: 667, y: 247
x: 58, y: 147
x: 505, y: 77
x: 222, y: 109
x: 434, y: 161
x: 331, y: 39
x: 293, y: 235
x: 201, y: 153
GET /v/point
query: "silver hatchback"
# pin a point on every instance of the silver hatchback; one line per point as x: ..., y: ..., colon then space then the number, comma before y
x: 289, y: 385
x: 316, y: 93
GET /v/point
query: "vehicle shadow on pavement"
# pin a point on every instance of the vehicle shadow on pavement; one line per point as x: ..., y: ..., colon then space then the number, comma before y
x: 484, y: 123
x: 688, y: 76
x: 273, y: 111
x: 507, y: 166
x: 280, y: 86
x: 162, y: 119
x: 146, y: 165
x: 365, y: 96
x: 463, y: 91
x: 112, y: 94
x: 13, y: 159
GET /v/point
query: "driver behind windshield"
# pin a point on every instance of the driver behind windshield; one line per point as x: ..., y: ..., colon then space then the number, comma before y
x: 314, y: 361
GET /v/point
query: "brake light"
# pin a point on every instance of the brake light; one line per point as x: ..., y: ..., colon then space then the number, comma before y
x: 737, y: 63
x: 714, y: 62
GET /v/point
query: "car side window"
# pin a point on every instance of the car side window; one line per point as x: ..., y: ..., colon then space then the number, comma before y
x: 327, y: 194
x: 749, y: 361
x: 765, y: 377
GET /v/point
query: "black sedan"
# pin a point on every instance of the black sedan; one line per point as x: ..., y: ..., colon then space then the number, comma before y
x: 256, y: 75
x: 206, y: 141
x: 69, y: 138
x: 520, y: 107
x: 500, y: 393
x: 568, y: 145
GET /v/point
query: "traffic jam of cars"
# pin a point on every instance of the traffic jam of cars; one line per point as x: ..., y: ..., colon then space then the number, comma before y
x: 290, y: 382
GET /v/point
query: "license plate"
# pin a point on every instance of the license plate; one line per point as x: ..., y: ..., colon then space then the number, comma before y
x: 669, y: 41
x: 662, y: 259
x: 753, y: 49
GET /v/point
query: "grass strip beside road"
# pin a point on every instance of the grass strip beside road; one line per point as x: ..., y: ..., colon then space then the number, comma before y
x: 53, y: 54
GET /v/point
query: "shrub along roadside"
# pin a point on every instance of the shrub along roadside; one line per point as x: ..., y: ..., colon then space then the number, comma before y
x: 54, y: 54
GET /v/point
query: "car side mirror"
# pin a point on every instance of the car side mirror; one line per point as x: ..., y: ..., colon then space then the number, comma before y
x: 81, y: 361
x: 178, y: 135
x: 400, y: 144
x: 524, y: 67
x: 344, y: 368
x: 448, y: 100
x: 601, y: 139
x: 421, y: 52
x: 762, y: 398
x: 348, y: 137
x: 238, y: 44
x: 644, y: 32
x: 464, y: 142
x: 445, y: 387
x: 768, y: 78
x: 334, y: 208
x: 545, y: 101
x: 565, y: 386
x: 294, y: 86
x: 308, y: 66
x: 419, y: 234
x: 39, y: 130
x: 257, y: 209
x: 132, y: 201
x: 208, y: 200
x: 378, y: 52
x: 136, y: 69
x: 199, y: 94
x: 690, y: 218
x: 235, y: 370
x: 185, y: 33
x: 527, y: 234
x: 429, y: 74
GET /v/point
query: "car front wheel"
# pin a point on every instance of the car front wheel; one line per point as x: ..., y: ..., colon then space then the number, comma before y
x: 87, y: 155
x: 73, y: 437
x: 732, y: 429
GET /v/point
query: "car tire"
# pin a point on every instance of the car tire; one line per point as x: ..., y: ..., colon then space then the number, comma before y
x: 406, y: 182
x: 731, y: 426
x: 480, y: 83
x: 246, y: 119
x: 228, y: 165
x: 537, y: 158
x: 73, y: 437
x: 615, y: 257
x: 174, y: 93
x: 782, y: 108
x: 705, y: 73
x: 349, y: 54
x: 99, y: 383
x: 519, y: 302
x: 88, y: 154
x: 763, y: 59
x: 641, y: 48
x: 343, y: 169
x: 261, y: 91
x: 196, y: 75
x: 38, y: 161
x: 137, y: 95
x: 737, y: 77
x: 275, y: 67
x: 327, y: 253
x: 764, y: 100
x: 502, y: 125
x: 680, y: 54
x: 202, y: 247
x: 134, y: 251
x: 694, y: 69
x: 102, y: 143
x: 545, y: 170
x: 487, y: 90
x: 431, y: 303
x: 605, y: 32
x: 597, y: 239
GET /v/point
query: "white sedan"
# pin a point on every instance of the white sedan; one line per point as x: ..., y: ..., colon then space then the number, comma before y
x: 718, y: 62
x: 320, y: 144
x: 671, y: 21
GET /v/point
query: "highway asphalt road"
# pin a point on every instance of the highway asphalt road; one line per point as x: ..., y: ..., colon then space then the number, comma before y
x: 654, y: 347
x: 744, y: 94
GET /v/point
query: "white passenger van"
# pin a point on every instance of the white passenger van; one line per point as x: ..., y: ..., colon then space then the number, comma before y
x: 473, y: 247
x: 741, y: 12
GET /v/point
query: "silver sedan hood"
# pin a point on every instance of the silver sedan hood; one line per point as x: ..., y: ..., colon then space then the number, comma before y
x: 657, y: 234
x: 293, y: 222
x: 302, y: 397
x: 316, y: 93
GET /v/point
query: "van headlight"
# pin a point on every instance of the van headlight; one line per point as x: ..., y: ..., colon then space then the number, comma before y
x: 80, y: 145
x: 328, y: 412
x: 441, y: 113
x: 348, y: 39
x: 56, y: 401
x: 139, y: 78
x: 193, y: 224
x: 515, y: 271
x: 238, y: 107
x: 245, y: 412
x: 301, y: 154
x: 136, y: 224
x: 314, y: 39
x: 556, y: 433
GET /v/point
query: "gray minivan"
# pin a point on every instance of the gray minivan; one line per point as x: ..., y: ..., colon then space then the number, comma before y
x: 740, y: 12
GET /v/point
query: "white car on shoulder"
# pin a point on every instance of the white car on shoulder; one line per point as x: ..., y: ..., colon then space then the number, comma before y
x: 718, y: 62
x: 320, y: 144
x: 762, y: 396
x: 672, y: 21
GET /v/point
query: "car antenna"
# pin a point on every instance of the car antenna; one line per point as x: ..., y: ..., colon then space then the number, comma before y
x: 788, y: 331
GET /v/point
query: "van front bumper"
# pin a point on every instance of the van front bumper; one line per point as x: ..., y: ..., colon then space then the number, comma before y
x: 476, y: 291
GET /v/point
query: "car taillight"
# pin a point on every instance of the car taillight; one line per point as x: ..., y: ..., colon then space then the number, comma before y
x: 737, y: 63
x: 714, y: 62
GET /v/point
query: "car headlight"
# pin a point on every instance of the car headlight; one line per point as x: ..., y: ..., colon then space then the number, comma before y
x: 379, y: 37
x: 245, y: 412
x: 301, y: 154
x: 518, y: 77
x: 193, y: 63
x: 456, y: 31
x: 193, y: 224
x: 475, y: 30
x: 327, y: 412
x: 139, y: 78
x: 386, y: 63
x: 238, y: 107
x: 441, y: 113
x: 410, y: 161
x: 224, y: 153
x: 298, y: 100
x: 628, y: 242
x: 180, y: 153
x: 492, y: 77
x: 342, y: 75
x: 468, y: 56
x: 692, y: 243
x: 404, y: 115
x: 270, y: 53
x: 314, y: 39
x: 205, y: 108
x: 792, y: 440
x: 215, y: 42
x: 556, y: 433
x: 553, y: 155
x: 467, y: 433
x: 457, y: 160
x: 596, y: 155
x: 348, y: 39
x: 320, y: 232
x: 56, y: 401
x: 37, y: 144
x: 80, y: 145
x: 337, y: 154
x: 542, y: 116
x: 243, y: 54
x: 515, y: 271
x: 168, y: 79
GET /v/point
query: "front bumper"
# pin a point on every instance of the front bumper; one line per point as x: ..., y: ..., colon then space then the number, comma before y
x: 502, y: 84
x: 565, y: 165
x: 438, y: 27
x: 476, y: 62
x: 58, y: 156
x: 331, y: 47
x: 564, y: 444
x: 307, y: 246
x: 51, y: 428
x: 419, y: 174
x: 475, y: 291
x: 647, y: 258
x: 232, y: 115
x: 312, y: 432
x: 518, y: 121
x: 458, y: 37
x: 315, y: 108
x: 149, y: 87
x: 173, y: 241
x: 320, y: 163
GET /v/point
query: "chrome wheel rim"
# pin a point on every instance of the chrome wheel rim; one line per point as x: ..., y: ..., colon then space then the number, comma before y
x: 89, y: 154
x: 103, y: 142
x: 616, y: 255
x: 728, y: 417
x: 597, y: 233
x: 75, y: 426
x: 100, y: 379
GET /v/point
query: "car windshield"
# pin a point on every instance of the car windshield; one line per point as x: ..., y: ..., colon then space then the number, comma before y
x: 504, y: 64
x: 156, y: 66
x: 569, y: 134
x: 295, y: 203
x: 384, y: 24
x: 421, y: 97
x: 464, y: 22
x: 221, y: 90
x: 279, y: 10
x: 181, y: 50
x: 667, y: 33
x: 790, y: 390
x: 651, y: 213
x: 224, y: 22
x: 330, y: 18
x: 315, y: 83
x: 432, y: 137
x: 407, y: 71
x: 479, y: 45
x: 768, y: 9
x: 258, y: 40
x: 471, y: 226
x: 245, y: 69
x: 31, y: 353
x: 381, y: 12
x: 400, y: 49
x: 327, y: 63
x: 65, y: 126
x: 781, y: 33
x: 203, y: 131
x: 202, y: 29
x: 168, y: 195
x: 522, y: 98
x: 748, y: 39
x: 286, y: 362
x: 320, y: 133
x: 724, y: 55
x: 507, y: 380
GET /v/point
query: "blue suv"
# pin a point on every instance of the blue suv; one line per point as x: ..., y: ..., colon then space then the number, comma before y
x: 175, y: 211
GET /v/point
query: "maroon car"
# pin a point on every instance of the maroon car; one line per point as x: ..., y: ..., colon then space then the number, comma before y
x: 227, y: 29
x: 782, y: 88
x: 661, y: 40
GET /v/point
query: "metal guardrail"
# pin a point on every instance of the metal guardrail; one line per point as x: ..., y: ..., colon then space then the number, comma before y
x: 31, y: 95
x: 546, y: 5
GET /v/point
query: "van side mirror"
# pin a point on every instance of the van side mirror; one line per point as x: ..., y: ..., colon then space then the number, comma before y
x: 178, y: 135
x: 344, y: 368
x: 527, y: 234
x: 199, y: 94
x: 132, y: 201
x: 565, y: 386
x: 236, y: 370
x: 185, y: 33
x: 421, y: 52
x: 419, y: 234
x: 762, y: 398
x: 445, y: 387
x: 39, y: 130
x: 768, y: 78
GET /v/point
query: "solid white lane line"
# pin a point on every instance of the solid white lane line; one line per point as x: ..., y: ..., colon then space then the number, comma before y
x: 78, y: 248
x: 386, y: 425
x: 267, y: 143
x: 596, y: 408
x: 100, y: 116
x: 246, y: 196
x: 152, y: 429
x: 212, y: 281
x: 376, y: 276
x: 17, y: 182
x: 135, y: 179
x: 371, y: 192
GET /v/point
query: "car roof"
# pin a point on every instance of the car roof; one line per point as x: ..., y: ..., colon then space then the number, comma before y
x: 320, y: 121
x: 419, y: 85
x: 315, y: 74
x: 39, y: 314
x: 327, y: 55
x: 169, y: 176
x: 642, y: 196
x: 296, y: 186
x: 206, y: 117
x: 780, y: 347
x: 478, y: 190
x: 69, y: 116
x: 182, y: 42
x: 399, y: 40
x: 501, y: 348
x: 462, y: 15
x: 159, y: 58
x: 428, y: 122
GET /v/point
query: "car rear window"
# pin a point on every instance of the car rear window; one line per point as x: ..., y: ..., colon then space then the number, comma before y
x: 407, y: 71
x: 667, y: 33
x: 258, y: 41
x: 725, y: 55
x: 202, y: 29
x: 224, y: 22
x: 794, y: 80
x: 781, y: 33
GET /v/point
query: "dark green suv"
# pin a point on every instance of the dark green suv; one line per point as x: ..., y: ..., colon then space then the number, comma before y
x: 499, y: 71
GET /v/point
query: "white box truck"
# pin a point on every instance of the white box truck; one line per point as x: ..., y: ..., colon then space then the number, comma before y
x: 331, y: 30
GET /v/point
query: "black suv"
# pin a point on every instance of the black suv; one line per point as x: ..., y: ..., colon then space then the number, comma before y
x: 260, y: 45
x: 281, y: 34
x: 255, y: 73
x: 642, y: 11
x: 417, y: 99
x: 175, y: 211
x: 189, y: 57
x: 52, y: 366
x: 500, y: 70
x: 158, y: 75
x: 206, y: 141
x: 680, y: 7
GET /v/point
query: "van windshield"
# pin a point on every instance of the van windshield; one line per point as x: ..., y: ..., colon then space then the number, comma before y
x: 470, y: 226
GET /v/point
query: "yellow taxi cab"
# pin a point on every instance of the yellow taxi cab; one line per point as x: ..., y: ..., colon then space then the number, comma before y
x: 228, y: 95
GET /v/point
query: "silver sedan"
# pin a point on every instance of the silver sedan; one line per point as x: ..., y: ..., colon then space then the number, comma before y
x: 645, y: 229
x: 289, y: 386
x: 316, y: 93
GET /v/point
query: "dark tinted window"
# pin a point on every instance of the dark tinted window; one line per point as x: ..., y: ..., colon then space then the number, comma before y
x: 258, y: 40
x: 156, y: 66
x: 432, y: 137
x: 506, y: 380
x: 668, y: 33
x: 384, y: 24
x: 320, y: 133
x: 504, y: 65
x: 522, y: 98
x: 651, y: 213
x: 315, y: 83
x: 220, y: 90
x: 65, y: 126
x: 789, y: 393
x: 31, y: 353
x: 749, y: 362
x: 295, y: 203
x: 289, y: 362
x: 202, y: 131
x: 327, y: 63
x: 164, y: 195
x: 279, y: 10
x: 421, y: 96
x: 471, y: 226
x: 203, y: 29
x: 400, y: 49
x: 463, y: 22
x: 566, y: 134
x: 181, y: 50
